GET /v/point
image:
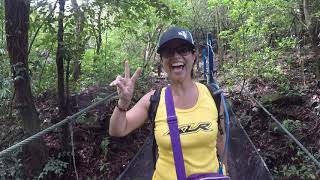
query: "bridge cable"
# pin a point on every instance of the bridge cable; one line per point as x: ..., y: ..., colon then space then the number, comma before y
x: 51, y: 128
x: 286, y: 131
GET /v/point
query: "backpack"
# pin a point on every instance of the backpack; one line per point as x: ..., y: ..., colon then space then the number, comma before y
x: 154, y: 103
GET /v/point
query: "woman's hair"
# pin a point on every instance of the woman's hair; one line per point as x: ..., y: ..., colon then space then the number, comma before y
x: 194, y: 62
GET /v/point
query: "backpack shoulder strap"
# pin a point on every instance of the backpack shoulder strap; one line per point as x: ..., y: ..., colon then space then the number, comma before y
x: 216, y: 95
x: 154, y: 103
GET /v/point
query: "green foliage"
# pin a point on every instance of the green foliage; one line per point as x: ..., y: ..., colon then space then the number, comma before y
x: 259, y: 39
x: 82, y: 118
x: 5, y: 90
x: 256, y: 39
x: 53, y: 166
x: 293, y: 126
x: 125, y: 28
x: 303, y: 170
x: 104, y: 145
x: 299, y: 165
x: 11, y: 166
x: 104, y: 167
x: 5, y: 97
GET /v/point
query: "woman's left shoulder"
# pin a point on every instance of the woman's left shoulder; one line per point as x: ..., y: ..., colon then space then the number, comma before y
x: 200, y: 85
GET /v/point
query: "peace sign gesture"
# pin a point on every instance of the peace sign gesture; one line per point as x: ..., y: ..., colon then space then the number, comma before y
x: 125, y: 86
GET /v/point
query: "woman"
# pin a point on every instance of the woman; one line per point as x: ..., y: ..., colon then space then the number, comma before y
x: 194, y: 106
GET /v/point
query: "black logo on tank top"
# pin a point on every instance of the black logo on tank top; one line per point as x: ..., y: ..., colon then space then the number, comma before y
x: 192, y: 128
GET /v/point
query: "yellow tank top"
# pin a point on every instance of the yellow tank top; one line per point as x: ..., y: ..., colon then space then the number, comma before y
x: 198, y: 135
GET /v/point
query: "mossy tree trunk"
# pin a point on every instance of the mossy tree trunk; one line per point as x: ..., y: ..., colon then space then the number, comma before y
x: 17, y: 25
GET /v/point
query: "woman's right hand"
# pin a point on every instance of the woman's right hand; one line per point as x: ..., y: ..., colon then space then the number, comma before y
x: 125, y: 85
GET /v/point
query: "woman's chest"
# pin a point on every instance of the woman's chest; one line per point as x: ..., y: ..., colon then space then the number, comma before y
x: 196, y: 127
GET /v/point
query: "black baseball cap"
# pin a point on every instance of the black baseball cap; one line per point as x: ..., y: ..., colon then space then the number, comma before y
x: 175, y: 33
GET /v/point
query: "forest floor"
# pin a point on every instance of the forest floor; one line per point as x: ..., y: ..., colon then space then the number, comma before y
x: 99, y: 156
x: 298, y: 110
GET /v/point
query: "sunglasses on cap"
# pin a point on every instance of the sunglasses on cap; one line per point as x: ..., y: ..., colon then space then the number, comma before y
x: 182, y: 51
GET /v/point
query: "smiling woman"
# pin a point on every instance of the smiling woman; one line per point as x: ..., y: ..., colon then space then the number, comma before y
x: 177, y: 58
x: 195, y: 113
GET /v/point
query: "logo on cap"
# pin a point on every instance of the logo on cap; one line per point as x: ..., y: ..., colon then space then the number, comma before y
x: 183, y: 33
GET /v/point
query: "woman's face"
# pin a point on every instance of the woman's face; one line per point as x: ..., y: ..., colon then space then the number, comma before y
x: 177, y: 59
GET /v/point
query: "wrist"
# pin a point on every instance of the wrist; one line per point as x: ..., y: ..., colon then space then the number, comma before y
x: 121, y: 108
x: 123, y: 105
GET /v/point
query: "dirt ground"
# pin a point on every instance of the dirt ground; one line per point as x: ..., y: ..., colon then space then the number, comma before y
x: 299, y: 112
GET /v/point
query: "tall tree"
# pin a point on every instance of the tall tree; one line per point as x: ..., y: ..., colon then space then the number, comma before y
x: 2, y: 21
x: 97, y: 27
x: 313, y: 27
x: 80, y: 46
x: 63, y: 101
x: 312, y: 22
x: 59, y: 60
x: 17, y: 24
x: 99, y: 34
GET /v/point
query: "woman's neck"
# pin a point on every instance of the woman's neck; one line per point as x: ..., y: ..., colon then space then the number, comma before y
x: 185, y: 94
x: 183, y: 88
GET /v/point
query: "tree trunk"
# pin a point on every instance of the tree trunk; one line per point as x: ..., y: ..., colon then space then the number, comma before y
x: 159, y: 69
x: 80, y: 47
x: 99, y: 37
x: 63, y: 111
x: 150, y: 47
x: 199, y: 59
x: 312, y: 23
x: 220, y: 43
x: 106, y: 46
x: 2, y: 22
x: 17, y: 24
x: 67, y: 104
x: 59, y: 61
x: 313, y: 27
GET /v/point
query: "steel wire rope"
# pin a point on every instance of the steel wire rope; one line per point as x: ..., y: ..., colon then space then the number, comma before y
x: 286, y: 131
x: 72, y: 149
x: 66, y: 120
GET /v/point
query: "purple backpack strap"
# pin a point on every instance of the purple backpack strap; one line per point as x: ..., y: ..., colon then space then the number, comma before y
x: 174, y: 135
